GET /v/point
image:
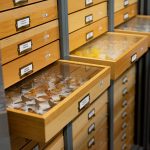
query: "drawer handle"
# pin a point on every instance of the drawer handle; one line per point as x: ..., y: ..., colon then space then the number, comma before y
x: 126, y: 3
x: 26, y: 70
x: 91, y: 114
x: 19, y: 2
x: 89, y: 35
x: 91, y: 143
x: 124, y: 115
x: 124, y: 126
x: 88, y: 3
x: 125, y: 103
x: 126, y: 16
x: 24, y: 47
x: 125, y: 80
x: 125, y: 91
x: 133, y: 58
x: 23, y: 23
x: 124, y: 147
x: 84, y: 102
x: 124, y: 137
x: 89, y: 19
x: 91, y: 128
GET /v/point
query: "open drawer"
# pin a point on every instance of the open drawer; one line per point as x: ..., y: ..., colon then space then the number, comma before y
x: 138, y: 25
x: 42, y: 105
x: 118, y: 50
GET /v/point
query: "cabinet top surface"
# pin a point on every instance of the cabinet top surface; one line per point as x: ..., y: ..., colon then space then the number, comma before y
x: 140, y: 24
x: 107, y: 47
x: 42, y: 91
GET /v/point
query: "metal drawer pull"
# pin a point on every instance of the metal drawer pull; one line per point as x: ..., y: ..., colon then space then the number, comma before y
x: 91, y: 143
x: 124, y: 137
x: 125, y: 91
x: 91, y: 114
x: 19, y: 2
x: 125, y: 103
x: 91, y: 128
x: 89, y: 35
x: 126, y: 3
x: 124, y: 147
x: 125, y: 80
x: 88, y: 3
x: 126, y: 16
x: 124, y: 126
x: 88, y: 19
x: 124, y: 115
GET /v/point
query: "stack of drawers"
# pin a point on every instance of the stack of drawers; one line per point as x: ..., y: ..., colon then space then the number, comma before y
x: 124, y: 10
x: 87, y: 20
x: 90, y: 129
x: 29, y: 37
x: 124, y: 100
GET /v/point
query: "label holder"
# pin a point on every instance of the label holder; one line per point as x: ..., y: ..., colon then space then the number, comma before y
x: 88, y: 3
x: 133, y: 58
x: 91, y: 114
x: 23, y: 27
x: 25, y: 51
x: 26, y: 74
x: 20, y: 2
x: 89, y: 17
x: 91, y: 36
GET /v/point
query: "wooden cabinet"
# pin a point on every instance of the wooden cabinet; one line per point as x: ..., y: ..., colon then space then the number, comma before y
x: 16, y: 20
x: 20, y: 44
x: 87, y: 16
x: 87, y: 33
x: 81, y: 4
x: 125, y: 14
x: 35, y: 122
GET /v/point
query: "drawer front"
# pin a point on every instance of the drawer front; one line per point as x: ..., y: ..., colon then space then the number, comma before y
x: 20, y: 19
x: 125, y: 14
x: 87, y: 16
x: 95, y: 140
x: 87, y: 33
x: 81, y: 4
x: 97, y: 110
x: 120, y: 4
x: 8, y: 4
x: 24, y: 66
x: 20, y: 44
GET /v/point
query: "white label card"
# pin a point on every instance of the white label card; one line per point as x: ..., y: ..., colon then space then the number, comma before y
x: 133, y: 58
x: 89, y: 35
x: 126, y: 16
x: 91, y: 128
x: 91, y: 114
x: 126, y: 2
x: 83, y: 103
x: 89, y: 19
x: 23, y: 22
x: 25, y: 46
x: 25, y: 70
x: 91, y: 142
x: 88, y: 2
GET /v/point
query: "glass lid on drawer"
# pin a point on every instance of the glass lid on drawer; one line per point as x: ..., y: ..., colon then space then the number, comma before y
x: 110, y: 46
x: 42, y: 91
x: 139, y: 23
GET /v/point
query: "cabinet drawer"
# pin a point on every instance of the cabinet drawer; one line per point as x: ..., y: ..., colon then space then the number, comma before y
x: 118, y: 50
x: 28, y: 64
x: 120, y: 4
x: 56, y: 92
x: 93, y: 141
x: 95, y: 113
x: 20, y: 19
x: 125, y: 14
x: 85, y: 17
x: 8, y: 4
x: 20, y: 44
x: 87, y: 33
x: 81, y: 4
